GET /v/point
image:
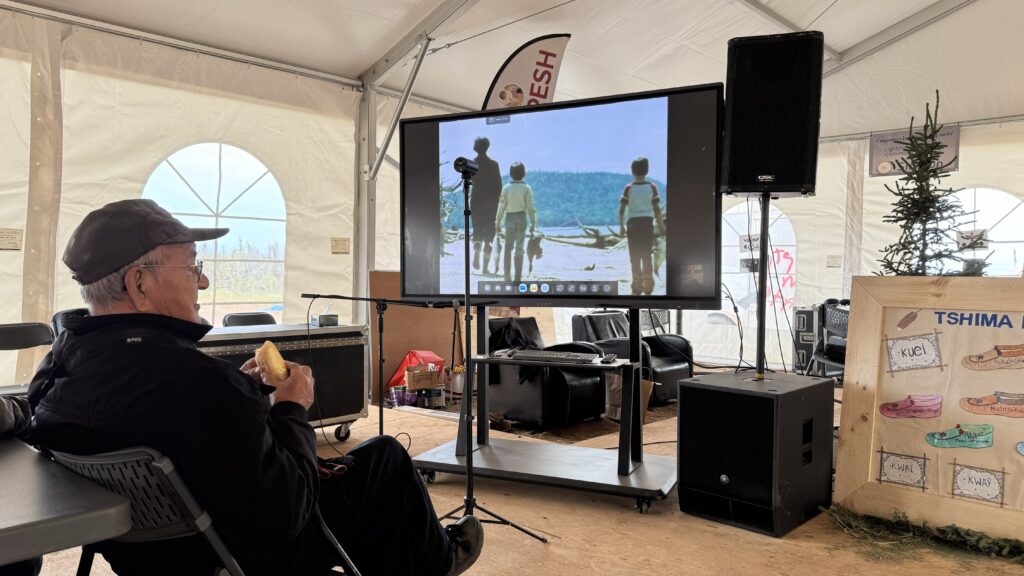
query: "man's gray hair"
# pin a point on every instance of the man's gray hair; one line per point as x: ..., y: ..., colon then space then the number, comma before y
x: 111, y: 289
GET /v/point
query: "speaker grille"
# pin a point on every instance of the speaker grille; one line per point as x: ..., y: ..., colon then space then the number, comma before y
x: 772, y: 114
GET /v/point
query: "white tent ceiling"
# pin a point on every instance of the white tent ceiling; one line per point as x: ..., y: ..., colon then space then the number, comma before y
x: 891, y: 55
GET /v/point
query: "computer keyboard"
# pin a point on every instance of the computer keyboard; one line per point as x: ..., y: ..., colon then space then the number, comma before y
x: 555, y: 356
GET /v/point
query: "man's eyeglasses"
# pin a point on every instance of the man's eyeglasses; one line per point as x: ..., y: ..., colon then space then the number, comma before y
x: 197, y: 268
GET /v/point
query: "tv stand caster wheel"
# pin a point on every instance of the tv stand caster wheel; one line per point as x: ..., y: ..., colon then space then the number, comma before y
x: 429, y: 476
x: 343, y: 432
x: 642, y: 505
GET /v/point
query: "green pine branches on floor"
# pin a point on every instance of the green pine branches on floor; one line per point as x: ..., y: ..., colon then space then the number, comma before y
x: 899, y: 532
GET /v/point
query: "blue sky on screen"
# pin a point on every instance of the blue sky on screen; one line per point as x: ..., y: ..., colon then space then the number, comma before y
x: 604, y: 138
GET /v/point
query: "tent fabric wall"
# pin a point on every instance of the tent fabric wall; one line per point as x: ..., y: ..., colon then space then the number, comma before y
x: 126, y: 104
x: 819, y: 223
x: 16, y: 39
x: 130, y: 104
x: 991, y: 156
x: 88, y: 115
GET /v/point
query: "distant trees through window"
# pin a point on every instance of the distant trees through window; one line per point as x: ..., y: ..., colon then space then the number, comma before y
x: 217, y: 185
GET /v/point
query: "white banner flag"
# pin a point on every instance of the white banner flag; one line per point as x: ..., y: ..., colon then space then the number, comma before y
x: 528, y: 76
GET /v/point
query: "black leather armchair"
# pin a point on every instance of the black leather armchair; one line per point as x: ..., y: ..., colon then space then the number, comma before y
x: 542, y: 397
x: 549, y: 397
x: 666, y: 358
x: 509, y: 332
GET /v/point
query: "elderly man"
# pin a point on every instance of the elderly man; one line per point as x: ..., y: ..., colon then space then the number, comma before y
x: 129, y: 374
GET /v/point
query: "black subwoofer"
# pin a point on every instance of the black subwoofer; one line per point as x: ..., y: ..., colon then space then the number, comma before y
x: 757, y: 455
x: 772, y: 113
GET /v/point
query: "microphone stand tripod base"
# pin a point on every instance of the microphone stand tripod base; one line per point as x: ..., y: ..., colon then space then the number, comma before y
x: 465, y: 436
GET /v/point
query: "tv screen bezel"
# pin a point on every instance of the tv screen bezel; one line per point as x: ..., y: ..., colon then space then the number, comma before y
x: 549, y: 300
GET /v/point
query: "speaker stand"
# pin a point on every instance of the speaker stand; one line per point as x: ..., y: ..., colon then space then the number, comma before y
x: 762, y: 288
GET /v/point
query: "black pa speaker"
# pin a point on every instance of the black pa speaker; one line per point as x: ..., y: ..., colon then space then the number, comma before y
x: 757, y: 455
x: 772, y: 113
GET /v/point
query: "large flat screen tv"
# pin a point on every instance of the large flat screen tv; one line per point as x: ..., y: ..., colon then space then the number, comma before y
x: 607, y: 201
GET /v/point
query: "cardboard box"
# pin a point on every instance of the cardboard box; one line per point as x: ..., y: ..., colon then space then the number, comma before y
x: 613, y: 397
x: 419, y: 378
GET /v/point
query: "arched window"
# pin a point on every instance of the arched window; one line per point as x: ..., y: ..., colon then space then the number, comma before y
x: 1000, y: 217
x: 219, y: 185
x: 718, y: 333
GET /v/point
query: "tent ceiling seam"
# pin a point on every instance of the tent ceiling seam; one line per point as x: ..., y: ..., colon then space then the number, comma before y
x: 127, y: 32
x: 376, y: 73
x: 896, y: 32
x: 964, y: 124
x: 777, y: 19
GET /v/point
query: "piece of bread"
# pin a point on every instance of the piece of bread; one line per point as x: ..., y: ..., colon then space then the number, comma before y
x: 270, y: 361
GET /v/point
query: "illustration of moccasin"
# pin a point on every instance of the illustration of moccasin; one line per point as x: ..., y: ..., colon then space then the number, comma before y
x: 962, y: 436
x: 1020, y: 448
x: 1002, y: 356
x: 1009, y: 404
x: 914, y: 406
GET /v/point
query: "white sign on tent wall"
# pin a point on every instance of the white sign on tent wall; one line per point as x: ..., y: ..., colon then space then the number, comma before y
x: 750, y: 242
x: 10, y: 238
x: 965, y: 238
x: 885, y: 150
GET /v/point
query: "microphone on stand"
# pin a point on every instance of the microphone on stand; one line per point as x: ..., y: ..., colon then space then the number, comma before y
x: 466, y: 167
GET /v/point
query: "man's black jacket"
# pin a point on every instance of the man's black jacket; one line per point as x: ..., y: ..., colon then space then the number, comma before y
x: 118, y: 381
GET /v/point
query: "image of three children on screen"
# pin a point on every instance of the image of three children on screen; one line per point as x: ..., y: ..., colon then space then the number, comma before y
x: 492, y: 203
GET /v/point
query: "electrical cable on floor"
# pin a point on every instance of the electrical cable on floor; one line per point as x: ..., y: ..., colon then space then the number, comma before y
x: 645, y: 444
x: 407, y: 435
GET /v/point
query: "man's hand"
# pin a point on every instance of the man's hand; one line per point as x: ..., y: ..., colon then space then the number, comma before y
x: 252, y: 369
x: 298, y: 387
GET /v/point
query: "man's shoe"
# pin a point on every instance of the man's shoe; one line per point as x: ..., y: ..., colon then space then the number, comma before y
x: 962, y: 436
x: 466, y: 537
x: 914, y: 406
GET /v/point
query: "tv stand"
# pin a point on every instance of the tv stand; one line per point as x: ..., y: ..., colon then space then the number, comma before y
x: 625, y: 472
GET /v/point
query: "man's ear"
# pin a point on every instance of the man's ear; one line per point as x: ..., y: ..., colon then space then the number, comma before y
x: 135, y: 286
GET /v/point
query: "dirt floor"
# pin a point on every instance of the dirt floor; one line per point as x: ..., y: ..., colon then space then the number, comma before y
x: 599, y: 534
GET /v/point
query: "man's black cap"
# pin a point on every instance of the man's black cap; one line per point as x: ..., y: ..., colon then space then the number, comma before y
x: 120, y: 233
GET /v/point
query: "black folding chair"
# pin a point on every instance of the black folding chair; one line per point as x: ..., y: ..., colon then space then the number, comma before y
x: 19, y: 337
x: 61, y: 317
x: 248, y: 319
x: 162, y: 506
x: 25, y: 335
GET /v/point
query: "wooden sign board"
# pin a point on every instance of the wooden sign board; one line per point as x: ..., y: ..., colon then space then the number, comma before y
x: 933, y: 402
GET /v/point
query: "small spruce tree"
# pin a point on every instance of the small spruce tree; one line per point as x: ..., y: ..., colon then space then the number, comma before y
x: 926, y: 214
